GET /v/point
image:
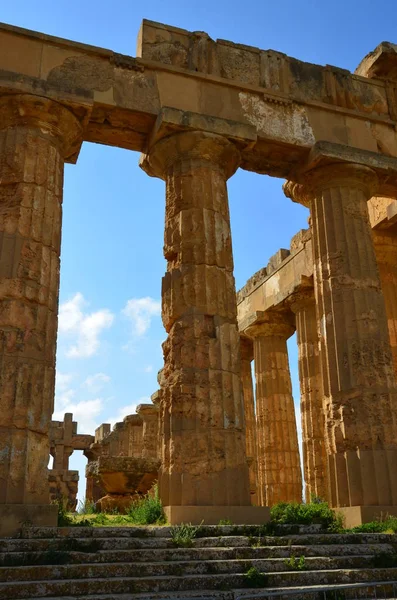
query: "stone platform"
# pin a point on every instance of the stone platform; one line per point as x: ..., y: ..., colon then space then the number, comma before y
x: 212, y: 515
x: 15, y: 516
x: 357, y: 515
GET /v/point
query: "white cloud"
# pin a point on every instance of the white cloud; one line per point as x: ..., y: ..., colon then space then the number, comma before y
x: 140, y: 311
x: 129, y: 409
x: 86, y: 413
x: 96, y: 382
x: 148, y: 369
x: 62, y: 381
x: 86, y: 327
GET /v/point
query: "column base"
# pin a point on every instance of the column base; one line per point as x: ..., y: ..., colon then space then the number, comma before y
x: 14, y: 516
x: 357, y: 515
x: 211, y: 515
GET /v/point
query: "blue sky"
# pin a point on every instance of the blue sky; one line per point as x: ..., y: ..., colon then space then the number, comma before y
x: 110, y: 329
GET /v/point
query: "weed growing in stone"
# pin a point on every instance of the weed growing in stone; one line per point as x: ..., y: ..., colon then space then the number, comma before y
x: 183, y: 535
x: 383, y: 525
x: 147, y: 510
x: 255, y: 579
x: 306, y: 514
x: 86, y: 507
x: 296, y: 563
x: 225, y: 522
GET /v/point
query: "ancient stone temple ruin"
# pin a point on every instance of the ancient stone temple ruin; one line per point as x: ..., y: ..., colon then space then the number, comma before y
x: 197, y: 110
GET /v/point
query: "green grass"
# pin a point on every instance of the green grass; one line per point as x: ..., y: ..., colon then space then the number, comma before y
x: 292, y: 513
x: 147, y: 510
x: 387, y: 524
x: 296, y: 563
x: 183, y: 535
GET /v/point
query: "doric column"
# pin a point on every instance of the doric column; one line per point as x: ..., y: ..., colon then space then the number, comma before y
x: 204, y: 461
x: 35, y: 136
x: 311, y: 386
x: 149, y: 415
x: 357, y: 366
x: 247, y: 354
x: 385, y: 242
x: 279, y: 470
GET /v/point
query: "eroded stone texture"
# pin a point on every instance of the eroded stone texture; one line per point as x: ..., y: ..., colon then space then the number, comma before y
x: 35, y: 135
x: 64, y: 439
x: 303, y: 305
x: 203, y: 454
x: 247, y: 354
x: 149, y: 413
x: 385, y: 243
x: 357, y: 365
x: 279, y: 470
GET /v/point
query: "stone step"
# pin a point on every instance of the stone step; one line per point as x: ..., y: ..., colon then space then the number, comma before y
x: 225, y: 582
x: 165, y: 531
x: 162, y: 569
x: 125, y: 542
x: 188, y: 554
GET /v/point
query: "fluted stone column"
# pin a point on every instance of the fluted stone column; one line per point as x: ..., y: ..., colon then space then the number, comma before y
x: 385, y: 242
x: 279, y: 470
x: 357, y: 365
x: 204, y: 461
x: 35, y: 136
x: 311, y: 386
x: 247, y: 354
x: 149, y: 416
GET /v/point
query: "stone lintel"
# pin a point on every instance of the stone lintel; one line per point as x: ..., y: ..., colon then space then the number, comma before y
x: 14, y: 516
x: 381, y: 63
x: 329, y: 153
x: 357, y: 515
x: 211, y: 515
x: 172, y: 120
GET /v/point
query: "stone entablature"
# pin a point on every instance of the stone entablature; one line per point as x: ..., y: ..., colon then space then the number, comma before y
x: 200, y: 110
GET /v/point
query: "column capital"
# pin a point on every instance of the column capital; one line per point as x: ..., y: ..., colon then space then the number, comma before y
x: 301, y: 298
x: 147, y: 411
x: 197, y: 146
x: 317, y: 180
x: 50, y: 117
x: 271, y: 323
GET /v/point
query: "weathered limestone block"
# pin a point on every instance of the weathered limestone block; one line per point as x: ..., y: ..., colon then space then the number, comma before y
x: 63, y: 487
x: 149, y: 414
x: 203, y: 454
x: 247, y: 354
x: 279, y: 470
x: 303, y: 304
x: 35, y: 136
x: 123, y: 478
x: 385, y: 243
x: 357, y: 365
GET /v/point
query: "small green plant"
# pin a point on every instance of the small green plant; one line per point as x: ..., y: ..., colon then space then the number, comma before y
x: 148, y: 510
x: 64, y: 519
x: 305, y: 514
x: 387, y: 524
x: 225, y: 522
x: 183, y: 535
x: 296, y: 563
x: 255, y: 579
x: 86, y: 507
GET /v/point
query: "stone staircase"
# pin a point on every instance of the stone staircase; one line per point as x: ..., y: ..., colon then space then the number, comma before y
x: 130, y: 563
